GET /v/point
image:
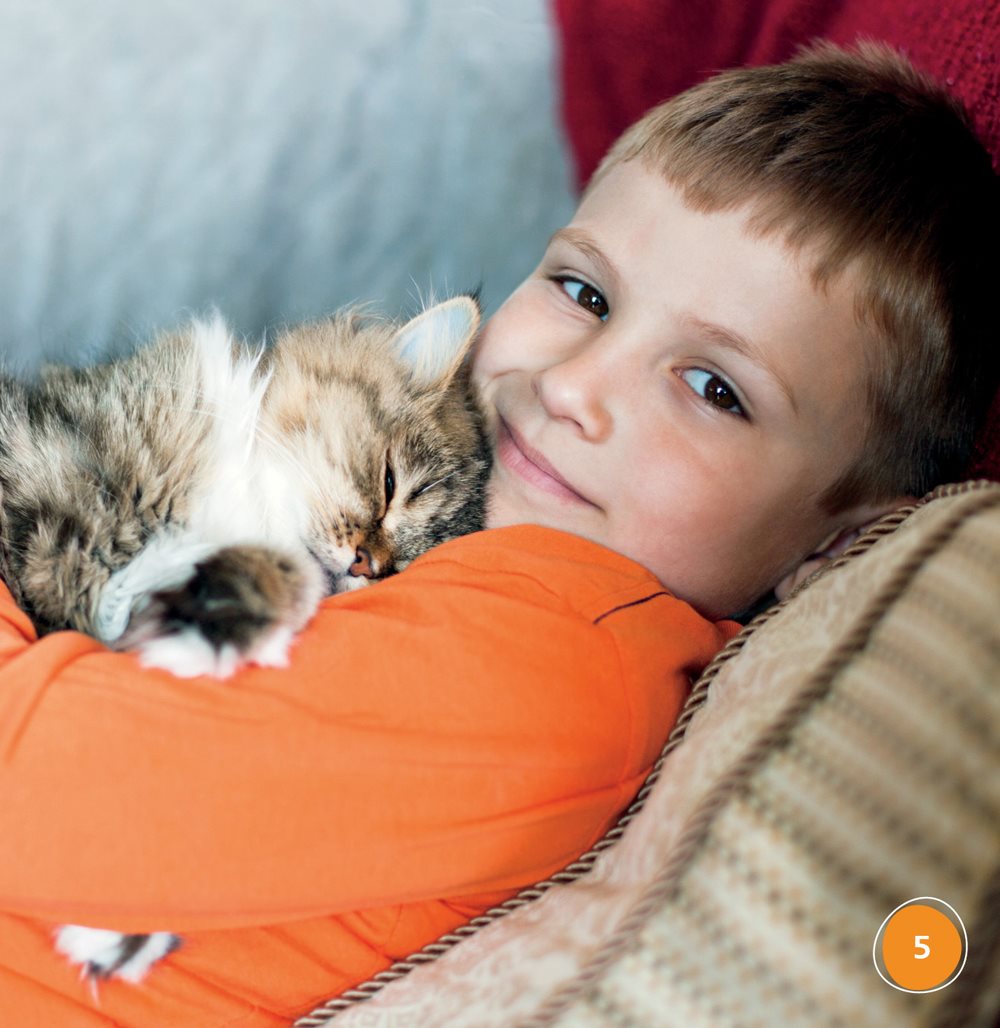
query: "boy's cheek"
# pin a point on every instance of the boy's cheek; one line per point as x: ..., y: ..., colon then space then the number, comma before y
x: 484, y: 373
x: 486, y: 353
x: 515, y: 337
x: 493, y: 366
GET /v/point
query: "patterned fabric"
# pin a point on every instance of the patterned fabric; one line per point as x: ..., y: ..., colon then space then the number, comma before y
x: 879, y: 781
x: 849, y: 760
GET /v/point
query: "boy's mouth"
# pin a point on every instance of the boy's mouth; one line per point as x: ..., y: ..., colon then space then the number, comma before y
x: 530, y: 466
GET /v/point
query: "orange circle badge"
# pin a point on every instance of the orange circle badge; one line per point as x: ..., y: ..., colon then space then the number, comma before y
x: 921, y: 946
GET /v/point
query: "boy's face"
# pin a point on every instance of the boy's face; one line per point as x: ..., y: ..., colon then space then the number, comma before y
x: 676, y: 389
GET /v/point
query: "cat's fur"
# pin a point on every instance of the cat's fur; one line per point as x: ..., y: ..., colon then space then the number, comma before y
x: 195, y: 501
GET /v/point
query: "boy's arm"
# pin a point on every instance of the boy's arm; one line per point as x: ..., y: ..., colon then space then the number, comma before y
x: 469, y: 726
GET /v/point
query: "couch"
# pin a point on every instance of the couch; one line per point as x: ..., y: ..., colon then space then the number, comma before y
x: 842, y: 754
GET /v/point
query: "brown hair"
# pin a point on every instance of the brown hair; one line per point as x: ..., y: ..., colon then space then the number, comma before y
x: 856, y: 153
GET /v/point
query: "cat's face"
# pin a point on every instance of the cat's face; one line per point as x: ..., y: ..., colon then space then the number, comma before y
x: 380, y: 431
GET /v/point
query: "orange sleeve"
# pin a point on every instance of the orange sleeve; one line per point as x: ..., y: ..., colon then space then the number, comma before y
x: 458, y: 729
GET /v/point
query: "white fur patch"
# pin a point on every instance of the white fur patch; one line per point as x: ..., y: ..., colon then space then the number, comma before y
x: 188, y: 654
x: 230, y: 386
x: 272, y: 651
x: 243, y: 496
x: 167, y: 561
x: 348, y: 583
x: 98, y: 950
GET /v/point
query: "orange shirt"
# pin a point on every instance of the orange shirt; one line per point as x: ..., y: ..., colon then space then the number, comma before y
x: 439, y: 742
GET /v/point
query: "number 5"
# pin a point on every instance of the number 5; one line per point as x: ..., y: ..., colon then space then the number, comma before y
x: 919, y: 944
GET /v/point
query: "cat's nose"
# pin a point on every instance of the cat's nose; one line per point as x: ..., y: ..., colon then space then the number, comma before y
x: 362, y: 566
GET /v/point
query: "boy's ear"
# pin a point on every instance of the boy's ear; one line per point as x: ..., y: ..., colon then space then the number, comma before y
x: 435, y: 342
x: 861, y: 517
x: 854, y: 522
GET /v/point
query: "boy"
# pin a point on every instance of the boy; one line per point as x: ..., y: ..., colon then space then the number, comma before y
x: 789, y: 272
x: 764, y: 326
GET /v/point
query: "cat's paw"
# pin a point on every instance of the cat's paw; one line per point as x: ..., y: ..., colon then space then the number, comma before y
x: 243, y: 605
x: 104, y: 954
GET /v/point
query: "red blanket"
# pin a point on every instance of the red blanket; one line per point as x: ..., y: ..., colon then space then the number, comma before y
x: 619, y: 57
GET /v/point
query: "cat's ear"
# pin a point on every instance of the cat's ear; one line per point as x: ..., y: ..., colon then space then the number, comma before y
x: 435, y: 342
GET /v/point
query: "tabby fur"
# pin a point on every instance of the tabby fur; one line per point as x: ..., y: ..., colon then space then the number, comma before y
x: 195, y: 501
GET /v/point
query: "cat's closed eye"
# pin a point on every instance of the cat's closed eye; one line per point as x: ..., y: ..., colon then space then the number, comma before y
x: 389, y: 483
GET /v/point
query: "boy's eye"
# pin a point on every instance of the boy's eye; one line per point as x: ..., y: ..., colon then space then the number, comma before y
x: 713, y: 389
x: 586, y: 296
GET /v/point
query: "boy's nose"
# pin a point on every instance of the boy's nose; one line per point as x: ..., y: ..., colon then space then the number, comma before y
x: 577, y: 390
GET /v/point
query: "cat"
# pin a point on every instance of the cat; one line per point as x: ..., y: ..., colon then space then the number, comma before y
x: 195, y: 501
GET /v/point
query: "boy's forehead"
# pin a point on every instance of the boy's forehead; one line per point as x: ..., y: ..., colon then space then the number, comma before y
x: 636, y: 212
x: 772, y: 216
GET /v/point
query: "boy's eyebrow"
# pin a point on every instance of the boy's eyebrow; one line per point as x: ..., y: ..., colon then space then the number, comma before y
x: 579, y: 239
x: 742, y: 345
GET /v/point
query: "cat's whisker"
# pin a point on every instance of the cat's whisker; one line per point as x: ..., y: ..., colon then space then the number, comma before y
x: 443, y: 478
x: 416, y: 294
